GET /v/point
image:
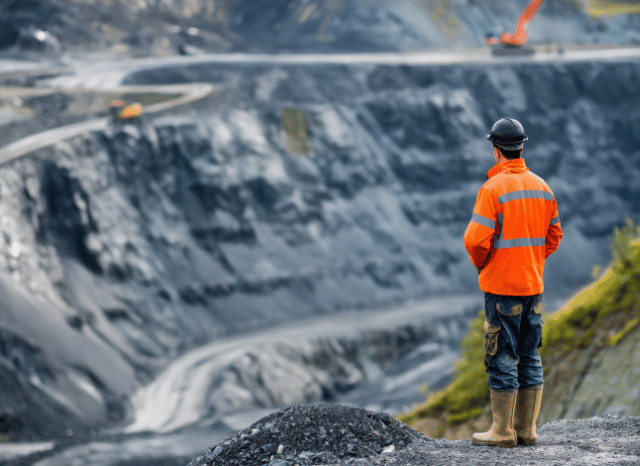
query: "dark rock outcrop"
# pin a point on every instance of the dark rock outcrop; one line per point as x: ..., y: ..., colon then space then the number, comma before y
x: 159, y: 237
x: 311, y: 434
x: 197, y: 26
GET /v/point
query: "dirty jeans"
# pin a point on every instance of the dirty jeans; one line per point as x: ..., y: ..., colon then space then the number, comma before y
x: 513, y: 334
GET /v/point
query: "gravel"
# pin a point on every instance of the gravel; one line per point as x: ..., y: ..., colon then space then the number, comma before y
x: 311, y: 434
x: 328, y: 434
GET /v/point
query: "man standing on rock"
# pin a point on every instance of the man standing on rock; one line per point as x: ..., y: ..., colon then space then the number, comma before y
x: 513, y: 229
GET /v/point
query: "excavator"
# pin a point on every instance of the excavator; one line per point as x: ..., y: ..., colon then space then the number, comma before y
x: 514, y: 43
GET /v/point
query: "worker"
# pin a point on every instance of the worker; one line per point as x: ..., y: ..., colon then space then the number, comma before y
x: 513, y: 229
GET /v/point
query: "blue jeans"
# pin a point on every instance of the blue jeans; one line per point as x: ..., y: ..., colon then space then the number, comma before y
x: 513, y: 334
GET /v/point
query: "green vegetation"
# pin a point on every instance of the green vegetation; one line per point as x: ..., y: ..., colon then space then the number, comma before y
x: 609, y: 306
x: 599, y: 8
x: 468, y: 393
x: 296, y: 129
x: 617, y: 290
x: 444, y: 16
x: 617, y: 337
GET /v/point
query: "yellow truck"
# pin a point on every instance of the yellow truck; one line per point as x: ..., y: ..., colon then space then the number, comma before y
x: 121, y: 111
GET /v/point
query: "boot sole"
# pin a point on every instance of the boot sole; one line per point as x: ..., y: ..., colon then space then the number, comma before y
x: 527, y: 441
x: 495, y: 443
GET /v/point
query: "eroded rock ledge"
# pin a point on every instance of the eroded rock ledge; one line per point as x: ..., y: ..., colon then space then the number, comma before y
x: 328, y: 434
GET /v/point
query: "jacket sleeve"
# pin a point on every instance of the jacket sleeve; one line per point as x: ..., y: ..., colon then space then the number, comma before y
x: 554, y: 233
x: 478, y: 238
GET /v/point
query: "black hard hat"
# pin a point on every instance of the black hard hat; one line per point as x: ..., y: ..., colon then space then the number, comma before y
x: 508, y: 134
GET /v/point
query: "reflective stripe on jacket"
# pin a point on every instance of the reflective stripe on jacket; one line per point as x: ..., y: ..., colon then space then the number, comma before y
x: 514, y: 227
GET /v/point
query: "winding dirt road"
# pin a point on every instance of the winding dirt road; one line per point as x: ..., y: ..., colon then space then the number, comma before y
x: 107, y: 76
x: 186, y: 93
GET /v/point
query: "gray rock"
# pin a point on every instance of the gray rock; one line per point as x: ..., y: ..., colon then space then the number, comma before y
x: 375, y: 440
x: 278, y: 462
x: 163, y: 236
x: 213, y: 454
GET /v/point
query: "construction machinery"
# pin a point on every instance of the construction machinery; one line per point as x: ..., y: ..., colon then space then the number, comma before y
x: 124, y: 112
x: 515, y: 43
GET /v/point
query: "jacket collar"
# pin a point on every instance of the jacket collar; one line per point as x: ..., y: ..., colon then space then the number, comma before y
x: 508, y: 166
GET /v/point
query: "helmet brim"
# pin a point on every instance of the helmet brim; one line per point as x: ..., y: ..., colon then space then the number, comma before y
x: 505, y: 145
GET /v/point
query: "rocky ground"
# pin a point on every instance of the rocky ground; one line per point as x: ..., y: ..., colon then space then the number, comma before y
x: 191, y: 27
x: 342, y: 435
x: 141, y: 243
x: 109, y: 226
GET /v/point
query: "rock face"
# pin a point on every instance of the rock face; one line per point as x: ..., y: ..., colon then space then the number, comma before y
x: 395, y: 351
x: 612, y: 384
x: 297, y: 191
x: 150, y: 240
x: 54, y: 378
x: 341, y: 435
x: 196, y: 26
x: 595, y: 379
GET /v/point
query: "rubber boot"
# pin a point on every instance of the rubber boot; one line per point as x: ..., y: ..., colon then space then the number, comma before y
x: 528, y: 404
x: 501, y: 433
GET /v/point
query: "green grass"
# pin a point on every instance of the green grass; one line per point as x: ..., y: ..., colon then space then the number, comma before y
x: 599, y: 8
x: 628, y: 328
x: 468, y: 393
x: 296, y: 129
x: 617, y: 290
x: 574, y: 325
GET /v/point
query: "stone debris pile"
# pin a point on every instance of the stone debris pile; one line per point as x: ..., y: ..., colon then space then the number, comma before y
x: 340, y: 435
x: 311, y: 434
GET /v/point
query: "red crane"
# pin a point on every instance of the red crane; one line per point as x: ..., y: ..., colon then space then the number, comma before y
x: 519, y: 36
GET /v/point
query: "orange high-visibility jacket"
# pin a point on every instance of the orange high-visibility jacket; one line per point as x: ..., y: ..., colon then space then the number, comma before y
x: 514, y: 227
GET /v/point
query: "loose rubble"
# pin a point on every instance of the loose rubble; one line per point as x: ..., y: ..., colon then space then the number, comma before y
x: 311, y: 434
x: 339, y: 435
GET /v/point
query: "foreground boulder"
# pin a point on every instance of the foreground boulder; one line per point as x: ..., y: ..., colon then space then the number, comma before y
x: 330, y: 434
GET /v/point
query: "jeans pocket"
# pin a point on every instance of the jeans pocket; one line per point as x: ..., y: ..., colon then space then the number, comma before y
x: 509, y: 308
x: 491, y: 338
